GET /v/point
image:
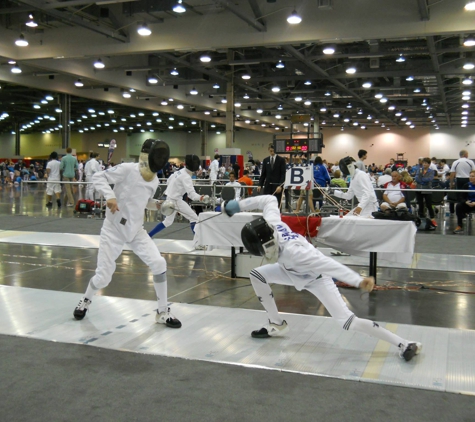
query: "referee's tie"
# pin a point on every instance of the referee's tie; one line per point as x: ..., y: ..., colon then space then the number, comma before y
x: 272, y: 162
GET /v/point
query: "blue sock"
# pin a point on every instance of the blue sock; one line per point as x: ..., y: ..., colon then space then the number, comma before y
x: 192, y: 225
x: 158, y: 228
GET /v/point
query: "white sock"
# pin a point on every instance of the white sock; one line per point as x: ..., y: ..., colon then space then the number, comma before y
x: 90, y: 291
x: 373, y: 329
x: 265, y: 296
x: 160, y: 284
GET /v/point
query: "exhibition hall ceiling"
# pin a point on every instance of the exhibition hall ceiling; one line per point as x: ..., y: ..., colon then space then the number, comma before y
x: 394, y: 64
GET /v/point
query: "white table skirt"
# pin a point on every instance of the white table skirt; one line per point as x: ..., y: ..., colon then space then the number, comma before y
x: 393, y: 240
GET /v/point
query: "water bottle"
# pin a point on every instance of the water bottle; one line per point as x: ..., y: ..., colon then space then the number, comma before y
x: 340, y: 213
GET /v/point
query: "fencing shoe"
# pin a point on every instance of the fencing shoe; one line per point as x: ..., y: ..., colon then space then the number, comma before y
x: 409, y: 351
x: 81, y: 309
x: 168, y: 319
x: 271, y: 330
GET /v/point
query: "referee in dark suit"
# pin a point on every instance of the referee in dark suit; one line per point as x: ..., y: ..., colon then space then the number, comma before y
x: 273, y: 174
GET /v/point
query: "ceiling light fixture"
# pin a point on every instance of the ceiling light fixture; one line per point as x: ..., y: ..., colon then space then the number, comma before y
x: 410, y: 78
x: 275, y: 89
x: 245, y: 96
x: 308, y: 103
x: 246, y: 76
x: 194, y: 91
x: 294, y: 18
x: 328, y: 94
x: 307, y: 83
x: 15, y: 69
x: 280, y: 65
x: 216, y: 86
x: 126, y: 94
x: 351, y: 70
x: 99, y: 64
x: 152, y: 80
x: 178, y: 7
x: 379, y: 95
x: 401, y: 59
x: 31, y: 21
x: 174, y: 72
x: 205, y: 58
x: 470, y: 5
x: 469, y: 66
x: 144, y: 30
x: 79, y: 83
x: 467, y: 81
x: 329, y: 49
x: 21, y: 42
x: 469, y: 42
x: 367, y: 85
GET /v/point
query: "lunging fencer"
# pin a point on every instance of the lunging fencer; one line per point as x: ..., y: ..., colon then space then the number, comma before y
x: 134, y: 187
x: 292, y: 261
x: 178, y: 184
x: 360, y: 186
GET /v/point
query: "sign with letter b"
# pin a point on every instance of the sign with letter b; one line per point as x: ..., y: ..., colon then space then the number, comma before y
x: 299, y: 177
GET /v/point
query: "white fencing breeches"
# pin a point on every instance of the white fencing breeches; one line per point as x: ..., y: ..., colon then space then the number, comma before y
x: 326, y: 291
x: 110, y: 248
x: 89, y: 188
x: 184, y: 209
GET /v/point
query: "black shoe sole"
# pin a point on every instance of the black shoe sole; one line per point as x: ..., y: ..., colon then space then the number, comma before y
x: 79, y: 315
x: 260, y: 334
x: 410, y: 352
x: 173, y: 324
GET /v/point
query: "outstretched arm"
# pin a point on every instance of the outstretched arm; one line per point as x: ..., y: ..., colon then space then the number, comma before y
x: 266, y: 203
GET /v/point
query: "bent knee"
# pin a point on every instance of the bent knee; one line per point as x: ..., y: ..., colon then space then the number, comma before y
x: 159, y: 266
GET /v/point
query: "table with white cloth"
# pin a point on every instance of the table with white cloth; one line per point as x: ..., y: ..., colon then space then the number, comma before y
x: 392, y: 240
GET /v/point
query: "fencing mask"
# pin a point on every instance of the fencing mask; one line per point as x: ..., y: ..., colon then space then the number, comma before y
x: 153, y: 157
x: 346, y: 166
x: 192, y: 163
x: 258, y: 238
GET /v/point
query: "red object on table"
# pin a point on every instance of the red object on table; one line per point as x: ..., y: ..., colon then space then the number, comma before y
x: 301, y: 226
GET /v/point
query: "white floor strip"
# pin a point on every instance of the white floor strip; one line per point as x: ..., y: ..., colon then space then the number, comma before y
x: 440, y: 262
x: 314, y: 345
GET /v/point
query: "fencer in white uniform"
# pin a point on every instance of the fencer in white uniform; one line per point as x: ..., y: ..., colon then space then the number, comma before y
x: 291, y: 260
x: 360, y: 186
x: 91, y: 167
x: 134, y: 187
x: 214, y: 169
x: 178, y: 184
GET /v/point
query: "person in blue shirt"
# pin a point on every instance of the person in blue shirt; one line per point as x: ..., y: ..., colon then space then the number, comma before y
x: 424, y: 177
x: 467, y: 203
x: 320, y: 176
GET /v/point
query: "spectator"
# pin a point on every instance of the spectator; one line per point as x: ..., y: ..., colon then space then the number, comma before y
x: 393, y: 197
x: 69, y: 165
x: 236, y: 169
x: 385, y: 178
x: 467, y: 203
x: 247, y: 181
x: 443, y: 170
x: 337, y: 180
x: 362, y: 155
x: 459, y: 174
x: 52, y: 169
x: 214, y: 169
x: 237, y: 186
x: 91, y: 167
x: 424, y: 178
x: 407, y: 179
x: 391, y: 165
x: 372, y: 168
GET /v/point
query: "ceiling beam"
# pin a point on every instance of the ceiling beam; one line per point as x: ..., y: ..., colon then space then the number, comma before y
x: 70, y: 18
x: 227, y: 4
x: 440, y: 83
x: 257, y: 12
x: 423, y: 10
x: 295, y: 53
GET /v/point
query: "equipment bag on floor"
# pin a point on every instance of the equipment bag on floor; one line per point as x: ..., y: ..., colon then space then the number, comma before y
x: 85, y: 205
x: 401, y: 215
